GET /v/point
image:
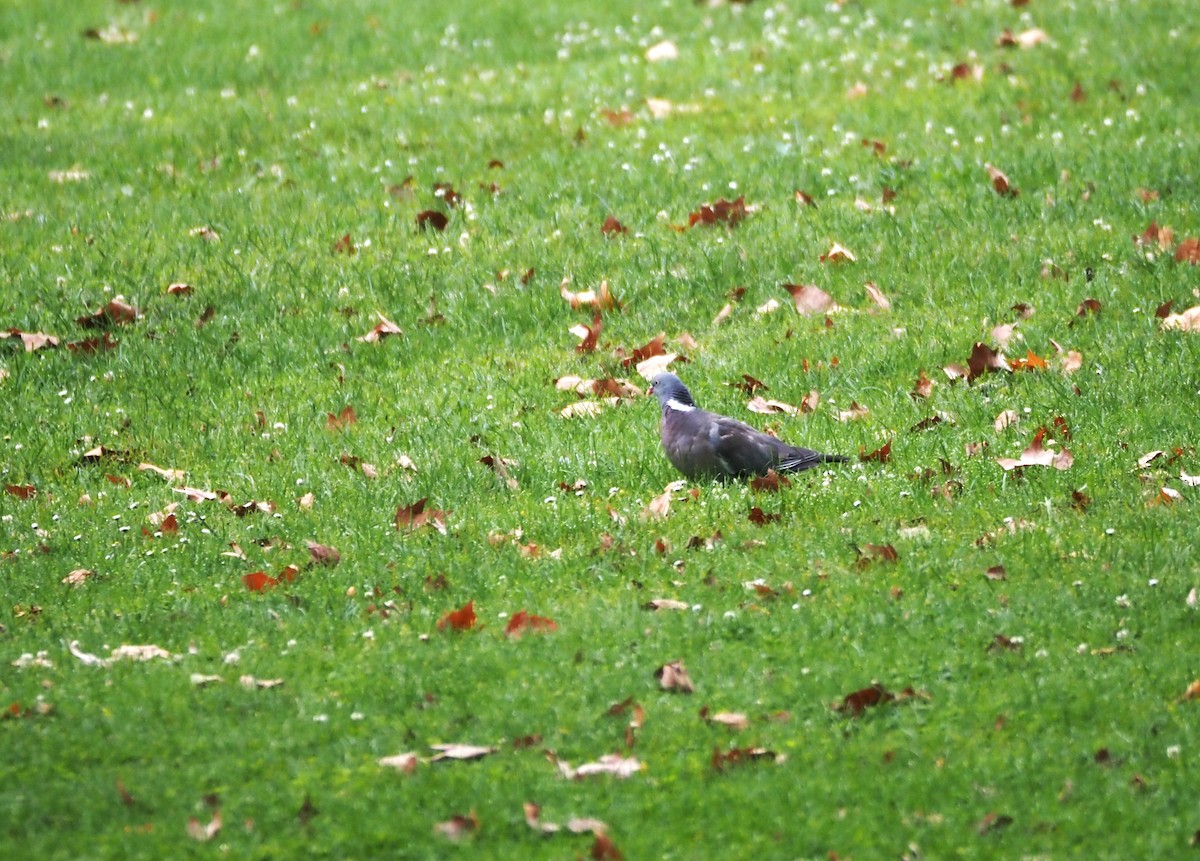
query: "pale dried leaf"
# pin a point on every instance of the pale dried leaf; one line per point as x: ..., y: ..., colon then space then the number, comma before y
x: 768, y: 307
x: 662, y: 51
x: 163, y: 472
x: 876, y: 296
x: 78, y: 577
x: 586, y: 409
x: 250, y: 682
x: 655, y: 365
x: 402, y: 762
x: 147, y: 652
x: 1185, y: 321
x: 201, y: 832
x: 733, y: 720
x: 201, y: 680
x: 1005, y: 419
x: 674, y: 677
x: 459, y: 751
x: 666, y: 604
x: 766, y: 406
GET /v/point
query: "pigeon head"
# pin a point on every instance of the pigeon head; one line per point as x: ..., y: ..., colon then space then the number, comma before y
x: 671, y: 392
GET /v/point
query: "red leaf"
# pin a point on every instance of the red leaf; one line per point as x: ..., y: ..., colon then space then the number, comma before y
x: 342, y: 420
x: 1188, y: 251
x: 1031, y: 362
x: 116, y: 312
x: 431, y: 218
x: 446, y: 192
x: 611, y: 226
x: 588, y: 344
x: 983, y: 359
x: 722, y: 212
x: 869, y: 553
x: 259, y: 582
x: 522, y: 623
x: 883, y: 455
x: 858, y: 702
x: 652, y: 348
x: 759, y: 518
x: 804, y: 198
x: 346, y: 246
x: 603, y: 849
x: 21, y: 491
x: 769, y: 482
x: 381, y: 330
x: 462, y: 619
x: 1000, y: 182
x: 415, y: 516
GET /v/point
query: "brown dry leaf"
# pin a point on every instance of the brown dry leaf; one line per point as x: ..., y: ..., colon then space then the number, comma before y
x: 730, y: 212
x: 588, y: 335
x: 406, y: 763
x: 78, y: 577
x: 856, y: 412
x: 179, y: 289
x: 171, y: 475
x: 1005, y: 419
x: 1185, y: 321
x: 992, y: 821
x: 252, y: 683
x: 583, y: 408
x: 810, y: 299
x: 611, y: 763
x: 742, y: 756
x: 601, y: 299
x: 1025, y: 39
x: 117, y: 312
x: 201, y: 832
x: 342, y: 420
x: 323, y: 554
x: 457, y: 826
x: 996, y: 572
x: 462, y: 619
x: 733, y: 720
x: 414, y: 516
x: 1031, y: 362
x: 1000, y: 182
x: 146, y: 652
x: 1037, y: 455
x: 983, y: 359
x: 876, y: 296
x: 857, y: 703
x: 765, y: 406
x: 653, y: 347
x: 869, y: 553
x: 659, y: 507
x: 432, y: 218
x: 1188, y: 251
x: 381, y: 330
x: 665, y: 604
x: 21, y: 491
x: 838, y: 254
x: 31, y: 340
x: 612, y: 226
x: 769, y: 483
x: 674, y: 677
x: 1088, y: 306
x: 460, y: 752
x: 1192, y: 692
x: 923, y: 388
x: 883, y: 454
x: 195, y: 494
x: 206, y: 233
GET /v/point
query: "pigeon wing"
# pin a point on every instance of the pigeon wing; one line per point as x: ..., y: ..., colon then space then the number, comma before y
x: 742, y: 451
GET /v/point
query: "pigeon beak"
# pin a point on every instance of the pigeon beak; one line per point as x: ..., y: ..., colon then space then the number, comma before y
x: 650, y: 390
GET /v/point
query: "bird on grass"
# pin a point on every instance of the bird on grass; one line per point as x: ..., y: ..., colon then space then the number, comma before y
x: 704, y: 445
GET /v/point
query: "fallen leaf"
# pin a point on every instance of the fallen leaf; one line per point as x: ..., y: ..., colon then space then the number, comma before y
x: 659, y: 507
x: 838, y: 254
x: 876, y: 296
x: 765, y: 406
x: 323, y: 554
x: 1031, y: 362
x: 611, y: 763
x: 202, y: 832
x: 1000, y: 182
x: 742, y: 756
x: 992, y: 822
x: 87, y: 659
x: 674, y: 677
x: 251, y: 683
x: 78, y: 577
x: 1185, y: 321
x: 148, y: 652
x: 460, y: 752
x: 1005, y: 419
x: 855, y: 413
x: 722, y: 211
x: 810, y: 299
x: 733, y: 720
x: 414, y: 516
x: 883, y: 454
x: 582, y: 408
x: 1037, y: 455
x: 458, y: 826
x: 522, y: 623
x: 31, y: 340
x: 588, y: 335
x: 665, y: 604
x: 769, y: 483
x: 179, y: 289
x: 612, y: 226
x: 168, y: 474
x: 983, y: 359
x: 381, y: 330
x: 601, y: 298
x: 462, y: 619
x: 760, y: 518
x: 201, y: 680
x: 1188, y: 251
x: 342, y: 420
x: 402, y: 762
x: 869, y: 553
x: 21, y: 491
x: 432, y: 218
x: 857, y: 703
x: 996, y: 572
x: 603, y: 849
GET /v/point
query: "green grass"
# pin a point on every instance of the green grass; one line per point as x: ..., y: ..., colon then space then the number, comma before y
x: 282, y: 126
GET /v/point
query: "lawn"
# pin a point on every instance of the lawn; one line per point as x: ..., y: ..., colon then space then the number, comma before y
x: 294, y: 296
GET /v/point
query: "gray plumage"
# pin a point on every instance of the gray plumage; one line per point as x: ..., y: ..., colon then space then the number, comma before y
x: 704, y: 445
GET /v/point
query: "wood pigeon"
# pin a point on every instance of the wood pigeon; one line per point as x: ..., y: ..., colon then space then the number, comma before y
x: 704, y: 445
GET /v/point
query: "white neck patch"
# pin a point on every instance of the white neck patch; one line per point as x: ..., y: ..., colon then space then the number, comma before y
x: 679, y: 406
